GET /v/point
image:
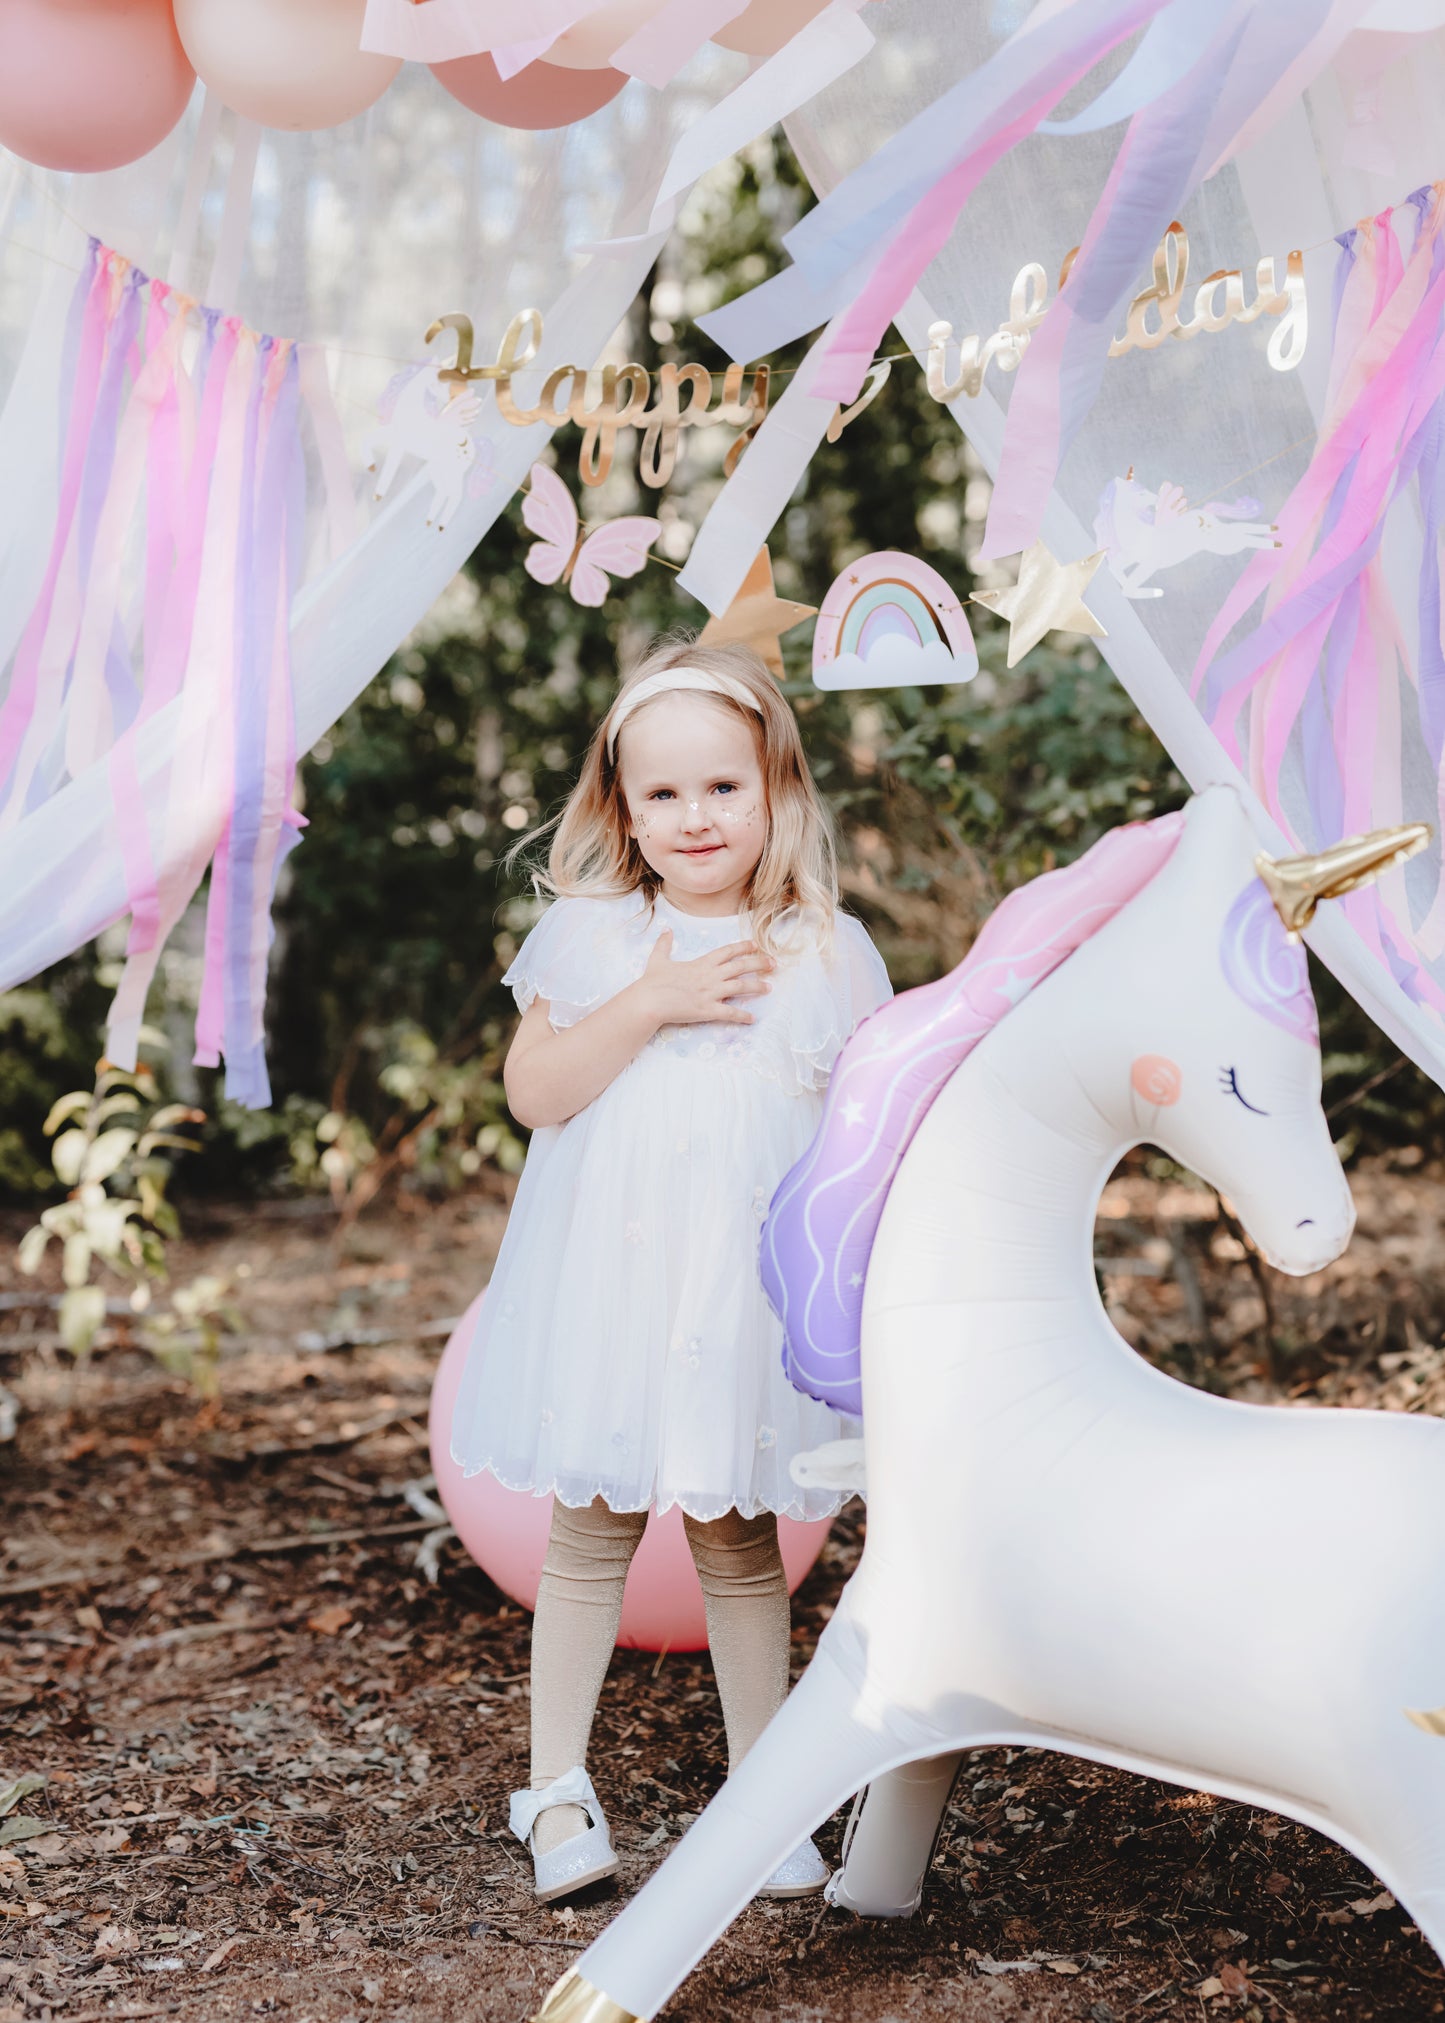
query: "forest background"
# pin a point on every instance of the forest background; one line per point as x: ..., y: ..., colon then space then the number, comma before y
x: 397, y: 917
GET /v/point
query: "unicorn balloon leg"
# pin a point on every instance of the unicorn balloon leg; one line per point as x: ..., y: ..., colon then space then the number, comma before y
x: 1066, y: 1548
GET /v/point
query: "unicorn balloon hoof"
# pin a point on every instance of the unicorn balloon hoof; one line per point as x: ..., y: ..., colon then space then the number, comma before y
x: 1050, y: 1519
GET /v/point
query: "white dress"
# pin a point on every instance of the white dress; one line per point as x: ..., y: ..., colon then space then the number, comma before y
x: 625, y: 1348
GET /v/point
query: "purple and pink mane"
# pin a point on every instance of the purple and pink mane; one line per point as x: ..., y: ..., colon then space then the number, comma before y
x: 820, y: 1229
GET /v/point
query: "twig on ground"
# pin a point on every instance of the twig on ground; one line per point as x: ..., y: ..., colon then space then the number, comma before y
x: 253, y: 1548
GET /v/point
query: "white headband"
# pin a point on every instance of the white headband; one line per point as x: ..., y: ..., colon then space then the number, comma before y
x: 670, y: 679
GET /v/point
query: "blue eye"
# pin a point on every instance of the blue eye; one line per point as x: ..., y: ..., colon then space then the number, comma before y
x: 1229, y: 1082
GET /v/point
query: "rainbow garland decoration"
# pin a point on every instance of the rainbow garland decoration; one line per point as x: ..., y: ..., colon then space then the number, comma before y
x: 1318, y: 700
x: 177, y: 543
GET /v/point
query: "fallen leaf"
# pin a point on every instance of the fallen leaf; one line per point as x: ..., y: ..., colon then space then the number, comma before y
x: 371, y: 1991
x: 1233, y: 1980
x: 21, y: 1826
x: 178, y: 1843
x: 88, y: 1618
x: 987, y: 1966
x: 222, y: 1952
x: 348, y: 1941
x: 1213, y: 1986
x: 12, y: 1871
x: 112, y: 1940
x: 204, y: 1787
x: 112, y: 1840
x: 1063, y: 1967
x: 1276, y: 1883
x: 11, y: 1794
x: 1366, y: 1907
x: 326, y: 1622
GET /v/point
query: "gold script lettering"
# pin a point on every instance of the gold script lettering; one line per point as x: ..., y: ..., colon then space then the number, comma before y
x: 667, y: 417
x: 1153, y: 315
x: 600, y: 424
x: 521, y: 341
x: 746, y: 414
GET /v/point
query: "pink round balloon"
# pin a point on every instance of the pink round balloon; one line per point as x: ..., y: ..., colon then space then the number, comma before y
x: 542, y: 95
x: 293, y: 64
x: 89, y: 84
x: 599, y: 35
x: 765, y: 25
x: 505, y: 1531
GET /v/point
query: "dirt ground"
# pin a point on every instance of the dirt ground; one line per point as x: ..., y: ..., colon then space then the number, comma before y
x: 276, y: 1755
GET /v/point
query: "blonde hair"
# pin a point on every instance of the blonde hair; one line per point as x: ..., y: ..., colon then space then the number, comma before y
x: 593, y: 855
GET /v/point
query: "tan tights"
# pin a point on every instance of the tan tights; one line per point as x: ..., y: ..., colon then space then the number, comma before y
x: 579, y: 1603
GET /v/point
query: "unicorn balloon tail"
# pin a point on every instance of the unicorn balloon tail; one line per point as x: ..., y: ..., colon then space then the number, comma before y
x: 1050, y: 1519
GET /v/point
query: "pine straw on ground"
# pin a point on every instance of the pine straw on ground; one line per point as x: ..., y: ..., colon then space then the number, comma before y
x: 276, y: 1767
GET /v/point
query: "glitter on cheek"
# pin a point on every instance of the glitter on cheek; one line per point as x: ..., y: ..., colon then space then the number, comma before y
x: 740, y: 817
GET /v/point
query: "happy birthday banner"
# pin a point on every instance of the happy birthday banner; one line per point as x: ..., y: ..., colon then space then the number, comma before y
x: 601, y: 400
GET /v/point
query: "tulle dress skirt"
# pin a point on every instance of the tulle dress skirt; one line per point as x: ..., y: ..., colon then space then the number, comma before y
x: 624, y: 1348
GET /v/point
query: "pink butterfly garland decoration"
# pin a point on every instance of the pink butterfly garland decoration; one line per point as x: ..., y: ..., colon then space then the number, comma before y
x: 582, y: 561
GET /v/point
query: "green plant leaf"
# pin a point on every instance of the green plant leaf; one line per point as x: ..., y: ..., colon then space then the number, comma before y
x: 109, y: 1152
x: 66, y: 1106
x: 76, y: 1267
x: 32, y: 1248
x: 81, y: 1313
x: 115, y: 1106
x: 67, y: 1156
x: 176, y: 1113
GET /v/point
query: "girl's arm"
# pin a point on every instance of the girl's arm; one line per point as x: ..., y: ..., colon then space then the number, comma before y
x: 549, y: 1076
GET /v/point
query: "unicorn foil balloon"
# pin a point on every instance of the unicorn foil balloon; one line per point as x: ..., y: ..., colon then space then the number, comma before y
x: 1050, y: 1519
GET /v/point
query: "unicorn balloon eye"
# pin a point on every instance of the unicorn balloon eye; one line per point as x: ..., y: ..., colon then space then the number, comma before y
x: 1229, y: 1082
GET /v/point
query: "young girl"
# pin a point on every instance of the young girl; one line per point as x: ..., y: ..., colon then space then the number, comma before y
x: 683, y: 1000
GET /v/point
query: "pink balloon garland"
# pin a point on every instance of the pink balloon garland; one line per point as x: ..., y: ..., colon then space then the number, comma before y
x: 542, y: 96
x: 89, y: 85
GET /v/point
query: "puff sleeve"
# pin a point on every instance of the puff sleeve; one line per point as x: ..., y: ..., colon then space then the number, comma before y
x: 829, y: 994
x: 578, y: 955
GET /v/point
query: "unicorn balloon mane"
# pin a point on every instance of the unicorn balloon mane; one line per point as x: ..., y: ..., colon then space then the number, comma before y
x: 932, y: 1258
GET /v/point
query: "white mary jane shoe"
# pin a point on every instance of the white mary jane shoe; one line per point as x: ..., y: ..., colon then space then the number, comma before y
x: 803, y: 1874
x: 586, y: 1858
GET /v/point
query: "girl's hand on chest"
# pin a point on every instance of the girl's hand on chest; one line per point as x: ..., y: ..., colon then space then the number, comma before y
x: 701, y: 991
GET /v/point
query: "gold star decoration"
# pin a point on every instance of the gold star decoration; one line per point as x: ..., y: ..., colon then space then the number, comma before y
x: 1048, y: 597
x: 757, y: 616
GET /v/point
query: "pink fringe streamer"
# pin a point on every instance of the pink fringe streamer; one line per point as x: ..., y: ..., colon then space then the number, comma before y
x: 183, y: 446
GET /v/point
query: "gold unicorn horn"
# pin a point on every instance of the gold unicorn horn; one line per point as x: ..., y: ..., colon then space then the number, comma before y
x: 1298, y: 884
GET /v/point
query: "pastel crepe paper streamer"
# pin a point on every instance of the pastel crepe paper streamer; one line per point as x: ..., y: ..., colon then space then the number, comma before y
x: 817, y: 55
x: 18, y: 714
x: 657, y: 51
x: 728, y: 541
x: 821, y: 1226
x: 1332, y: 522
x: 436, y: 31
x: 1325, y: 663
x: 199, y: 468
x: 751, y: 501
x: 842, y: 238
x: 1167, y: 150
x: 863, y: 248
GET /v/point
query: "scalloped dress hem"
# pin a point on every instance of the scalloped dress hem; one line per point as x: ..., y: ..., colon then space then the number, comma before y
x: 754, y: 1508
